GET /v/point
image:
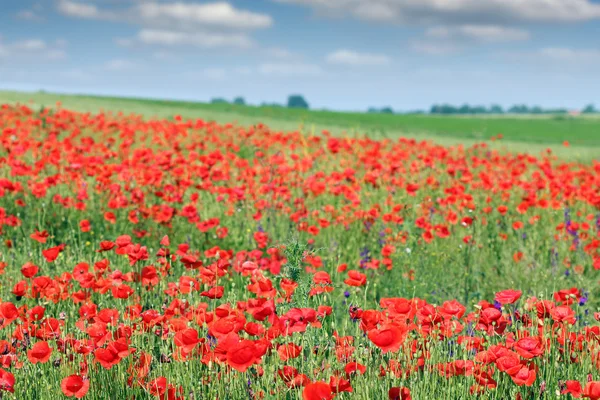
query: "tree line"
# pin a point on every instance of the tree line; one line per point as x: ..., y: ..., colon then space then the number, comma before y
x: 497, y: 109
x: 298, y: 101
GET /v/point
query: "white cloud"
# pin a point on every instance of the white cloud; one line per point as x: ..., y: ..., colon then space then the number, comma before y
x: 164, y: 56
x: 180, y: 15
x: 207, y: 25
x: 457, y: 11
x: 435, y: 48
x: 32, y: 14
x: 245, y: 71
x: 124, y: 42
x: 29, y: 15
x: 348, y: 57
x: 480, y: 33
x: 76, y: 74
x: 32, y: 48
x: 214, y: 73
x: 56, y: 54
x: 283, y: 54
x: 29, y: 45
x: 219, y: 14
x: 199, y: 39
x: 563, y: 54
x: 289, y: 69
x: 118, y: 65
x: 80, y: 10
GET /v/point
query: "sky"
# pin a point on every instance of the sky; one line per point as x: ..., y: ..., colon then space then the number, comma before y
x: 339, y: 54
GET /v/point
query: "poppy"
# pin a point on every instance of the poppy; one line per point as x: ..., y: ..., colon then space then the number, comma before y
x: 573, y: 388
x: 389, y: 338
x: 107, y: 357
x: 214, y: 293
x: 39, y: 353
x: 592, y: 390
x: 355, y: 278
x: 399, y: 393
x: 242, y: 355
x: 75, y: 386
x: 339, y: 385
x: 187, y: 339
x: 288, y: 351
x: 29, y: 270
x: 317, y: 391
x: 7, y: 381
x: 38, y: 236
x: 525, y: 375
x: 529, y: 347
x: 52, y: 253
x: 508, y: 296
x: 85, y: 225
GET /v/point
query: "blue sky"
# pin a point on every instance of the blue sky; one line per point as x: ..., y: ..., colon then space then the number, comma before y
x: 340, y: 54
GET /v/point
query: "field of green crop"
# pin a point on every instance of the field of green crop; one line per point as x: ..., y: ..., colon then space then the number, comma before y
x: 533, y: 134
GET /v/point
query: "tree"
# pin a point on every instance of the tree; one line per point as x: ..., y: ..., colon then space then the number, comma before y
x: 590, y: 109
x: 536, y: 110
x: 219, y: 100
x: 519, y: 109
x: 496, y: 109
x: 384, y: 110
x: 239, y: 101
x: 297, y: 101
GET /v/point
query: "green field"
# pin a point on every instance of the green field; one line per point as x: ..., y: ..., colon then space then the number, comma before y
x: 531, y: 134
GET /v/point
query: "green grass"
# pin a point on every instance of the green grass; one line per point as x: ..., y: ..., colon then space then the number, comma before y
x: 531, y: 134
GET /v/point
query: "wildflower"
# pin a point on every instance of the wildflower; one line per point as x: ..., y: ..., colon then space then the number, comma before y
x: 75, y: 386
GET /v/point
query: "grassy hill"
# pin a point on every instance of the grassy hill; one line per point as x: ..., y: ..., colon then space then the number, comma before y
x: 521, y: 133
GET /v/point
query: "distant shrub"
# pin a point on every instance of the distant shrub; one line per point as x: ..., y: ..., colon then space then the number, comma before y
x: 297, y: 101
x: 219, y: 100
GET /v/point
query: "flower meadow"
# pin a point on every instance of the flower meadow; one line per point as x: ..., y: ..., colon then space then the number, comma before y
x: 184, y: 259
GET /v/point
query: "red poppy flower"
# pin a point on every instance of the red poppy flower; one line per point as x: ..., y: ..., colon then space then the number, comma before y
x: 106, y: 246
x: 75, y: 386
x: 40, y: 236
x: 242, y: 355
x: 573, y: 388
x: 355, y: 278
x: 8, y: 313
x: 399, y: 393
x: 353, y: 368
x: 508, y: 296
x: 214, y: 293
x: 388, y: 338
x: 563, y: 314
x: 85, y: 225
x: 121, y: 291
x: 317, y: 391
x: 187, y: 339
x: 592, y: 390
x: 525, y: 376
x: 158, y: 386
x: 52, y: 253
x: 107, y: 357
x: 39, y: 353
x: 289, y: 351
x: 529, y: 347
x: 29, y: 270
x: 7, y: 381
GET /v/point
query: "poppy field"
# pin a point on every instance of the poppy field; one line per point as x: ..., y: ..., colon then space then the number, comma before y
x: 177, y: 258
